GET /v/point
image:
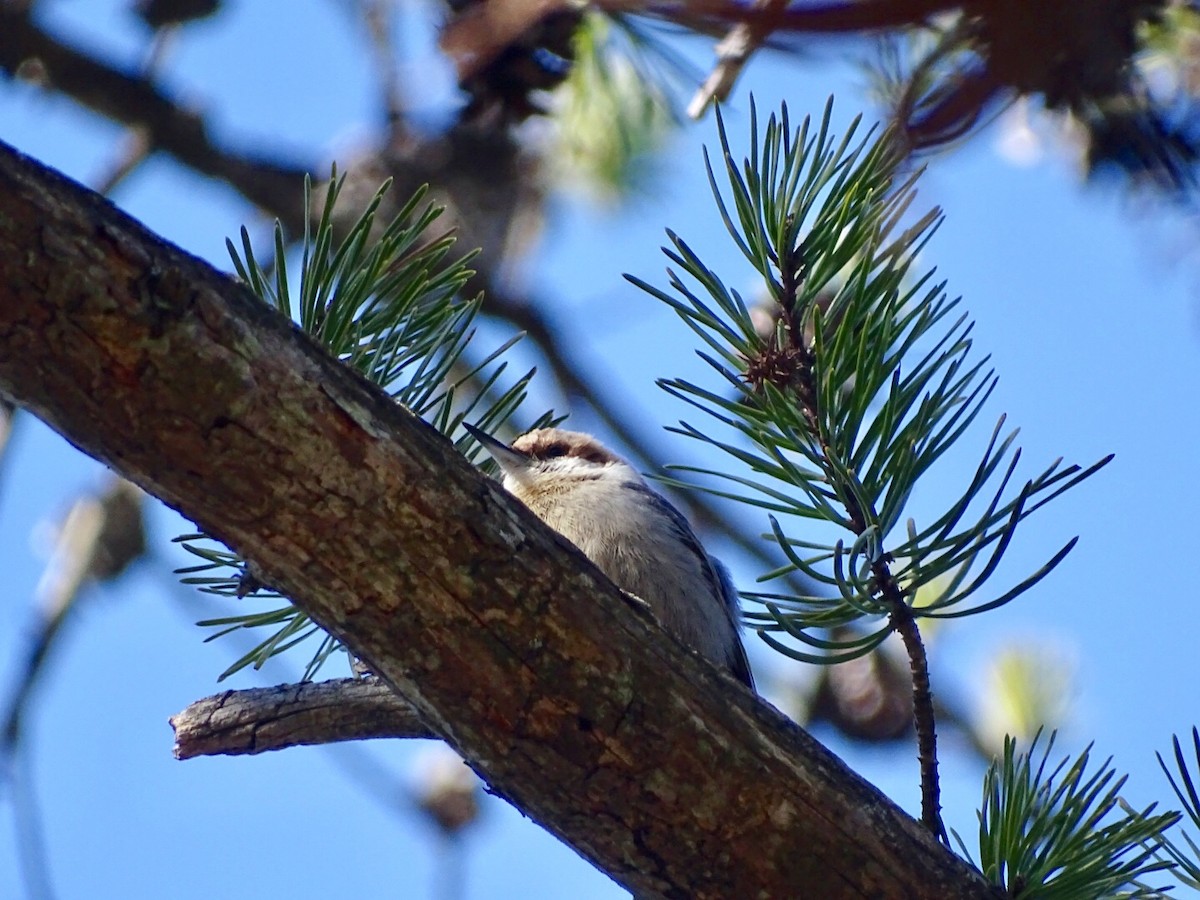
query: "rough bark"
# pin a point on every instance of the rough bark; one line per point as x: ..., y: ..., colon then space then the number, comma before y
x: 660, y: 770
x: 233, y: 723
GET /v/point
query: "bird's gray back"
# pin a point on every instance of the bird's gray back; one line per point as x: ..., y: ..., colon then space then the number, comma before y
x: 634, y: 536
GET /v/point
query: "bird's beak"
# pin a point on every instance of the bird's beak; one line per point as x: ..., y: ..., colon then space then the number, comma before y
x: 510, y: 461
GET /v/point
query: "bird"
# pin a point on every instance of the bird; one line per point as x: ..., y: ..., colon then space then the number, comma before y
x: 599, y: 502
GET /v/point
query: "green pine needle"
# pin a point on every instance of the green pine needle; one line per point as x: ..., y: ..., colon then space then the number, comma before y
x: 1183, y: 851
x: 1063, y: 833
x: 859, y: 382
x: 385, y: 300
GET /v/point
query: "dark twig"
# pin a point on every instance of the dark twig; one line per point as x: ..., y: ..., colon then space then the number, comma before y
x: 134, y: 150
x: 33, y: 857
x: 791, y: 367
x: 130, y: 99
x: 137, y: 146
x: 905, y: 624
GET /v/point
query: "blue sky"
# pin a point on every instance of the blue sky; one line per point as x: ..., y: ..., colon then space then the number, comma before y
x: 1086, y: 301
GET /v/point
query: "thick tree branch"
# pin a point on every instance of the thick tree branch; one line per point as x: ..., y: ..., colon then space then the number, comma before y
x: 506, y: 640
x: 459, y: 165
x: 290, y: 715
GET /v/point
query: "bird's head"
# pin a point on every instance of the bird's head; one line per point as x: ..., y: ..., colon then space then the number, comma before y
x: 550, y: 459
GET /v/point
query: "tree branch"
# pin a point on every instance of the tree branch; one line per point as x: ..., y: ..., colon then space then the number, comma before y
x: 233, y: 723
x: 456, y: 164
x: 131, y: 99
x: 904, y: 623
x: 507, y: 642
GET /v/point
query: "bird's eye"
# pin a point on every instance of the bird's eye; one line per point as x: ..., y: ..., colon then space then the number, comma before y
x: 550, y: 451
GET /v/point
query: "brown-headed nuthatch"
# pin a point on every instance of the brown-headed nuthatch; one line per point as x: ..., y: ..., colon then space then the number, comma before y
x: 597, y: 501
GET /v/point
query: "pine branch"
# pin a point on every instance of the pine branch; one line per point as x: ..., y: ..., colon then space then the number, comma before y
x: 259, y: 720
x: 843, y: 403
x: 1062, y: 832
x: 131, y: 99
x: 512, y: 647
x: 792, y: 367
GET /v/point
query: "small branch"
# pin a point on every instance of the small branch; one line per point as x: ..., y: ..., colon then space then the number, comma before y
x: 905, y: 624
x: 234, y: 723
x: 101, y: 535
x: 733, y: 52
x: 379, y: 17
x: 791, y: 368
x: 134, y: 150
x: 137, y: 145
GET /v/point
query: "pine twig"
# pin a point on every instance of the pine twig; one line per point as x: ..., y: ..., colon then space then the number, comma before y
x: 796, y: 366
x: 733, y: 52
x: 924, y: 718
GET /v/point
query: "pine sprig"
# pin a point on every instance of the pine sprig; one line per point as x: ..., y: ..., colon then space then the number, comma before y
x: 865, y: 380
x: 385, y: 300
x: 839, y: 406
x: 1064, y: 833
